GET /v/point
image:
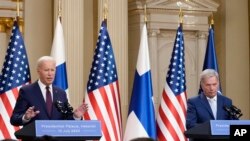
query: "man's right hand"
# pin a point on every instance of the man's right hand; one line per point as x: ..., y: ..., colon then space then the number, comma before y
x: 30, y: 113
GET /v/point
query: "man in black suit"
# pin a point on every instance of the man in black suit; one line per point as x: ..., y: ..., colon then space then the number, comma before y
x: 31, y: 103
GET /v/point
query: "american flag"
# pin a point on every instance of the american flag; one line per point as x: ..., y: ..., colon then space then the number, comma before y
x: 171, y: 118
x: 15, y: 73
x: 103, y: 96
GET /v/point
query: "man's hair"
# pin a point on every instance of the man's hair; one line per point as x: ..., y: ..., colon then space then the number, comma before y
x: 207, y: 74
x: 44, y: 58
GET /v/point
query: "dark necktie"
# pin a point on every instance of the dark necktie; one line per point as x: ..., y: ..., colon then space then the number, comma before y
x: 48, y: 100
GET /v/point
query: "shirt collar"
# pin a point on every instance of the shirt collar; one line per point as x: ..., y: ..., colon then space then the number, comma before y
x: 43, y: 86
x: 214, y: 98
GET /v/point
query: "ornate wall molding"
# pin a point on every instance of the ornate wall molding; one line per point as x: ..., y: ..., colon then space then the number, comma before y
x: 8, y: 12
x: 163, y: 20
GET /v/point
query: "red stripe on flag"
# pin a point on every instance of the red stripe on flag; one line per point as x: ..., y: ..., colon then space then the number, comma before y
x: 117, y: 107
x: 168, y: 124
x: 4, y: 128
x: 173, y: 109
x: 15, y: 92
x: 86, y: 116
x: 99, y: 116
x: 108, y: 108
x: 8, y: 108
x: 183, y: 104
x: 160, y: 135
x: 7, y: 104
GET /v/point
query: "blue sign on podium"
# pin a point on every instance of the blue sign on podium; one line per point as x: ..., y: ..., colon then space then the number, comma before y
x: 222, y: 127
x: 68, y: 128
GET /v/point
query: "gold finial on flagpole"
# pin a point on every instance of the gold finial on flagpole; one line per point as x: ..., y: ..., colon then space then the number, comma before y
x: 105, y: 10
x: 17, y: 8
x: 145, y: 13
x: 212, y: 19
x: 60, y: 9
x: 180, y: 12
x: 181, y: 16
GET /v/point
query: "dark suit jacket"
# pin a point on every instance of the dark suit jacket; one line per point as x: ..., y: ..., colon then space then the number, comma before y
x: 31, y: 95
x: 199, y: 111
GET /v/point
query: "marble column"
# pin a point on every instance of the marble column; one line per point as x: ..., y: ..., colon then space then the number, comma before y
x: 153, y: 50
x: 3, y: 46
x: 202, y: 44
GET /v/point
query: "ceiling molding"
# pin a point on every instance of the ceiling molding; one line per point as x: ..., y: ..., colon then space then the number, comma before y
x: 190, y: 5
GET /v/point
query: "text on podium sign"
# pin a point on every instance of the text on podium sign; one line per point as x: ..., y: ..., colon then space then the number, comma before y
x: 68, y: 128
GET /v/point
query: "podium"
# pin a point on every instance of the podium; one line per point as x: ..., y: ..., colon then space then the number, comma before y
x: 203, y: 132
x: 60, y: 130
x: 213, y: 130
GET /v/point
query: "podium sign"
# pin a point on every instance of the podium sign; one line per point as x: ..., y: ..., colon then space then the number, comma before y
x: 73, y: 128
x: 214, y: 129
x: 222, y: 127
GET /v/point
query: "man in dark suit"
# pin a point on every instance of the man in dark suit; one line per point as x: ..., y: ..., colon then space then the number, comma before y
x: 208, y: 105
x: 37, y: 100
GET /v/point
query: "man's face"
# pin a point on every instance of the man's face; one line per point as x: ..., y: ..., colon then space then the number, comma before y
x: 46, y: 72
x: 210, y: 86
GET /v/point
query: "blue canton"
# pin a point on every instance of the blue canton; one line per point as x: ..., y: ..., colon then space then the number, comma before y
x: 16, y: 71
x: 176, y: 73
x: 103, y: 71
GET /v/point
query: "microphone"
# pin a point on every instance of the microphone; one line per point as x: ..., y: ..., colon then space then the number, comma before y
x: 69, y: 108
x: 227, y: 109
x: 59, y: 106
x: 233, y: 112
x: 237, y: 111
x: 65, y: 108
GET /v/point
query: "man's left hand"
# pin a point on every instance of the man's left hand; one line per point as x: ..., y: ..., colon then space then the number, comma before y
x: 78, y: 113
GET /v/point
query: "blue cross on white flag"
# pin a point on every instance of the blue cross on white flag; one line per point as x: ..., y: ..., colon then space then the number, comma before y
x: 141, y: 115
x: 58, y: 52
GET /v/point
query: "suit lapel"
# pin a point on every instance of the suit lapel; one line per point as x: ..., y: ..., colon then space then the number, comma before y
x: 207, y: 106
x: 219, y: 104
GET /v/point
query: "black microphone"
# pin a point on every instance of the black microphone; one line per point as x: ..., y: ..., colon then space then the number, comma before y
x: 59, y: 106
x: 65, y: 108
x: 231, y: 113
x: 227, y: 109
x: 236, y: 110
x: 69, y: 108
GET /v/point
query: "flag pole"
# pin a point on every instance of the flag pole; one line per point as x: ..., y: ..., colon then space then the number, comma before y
x: 145, y: 14
x: 60, y: 10
x: 18, y: 11
x: 212, y: 21
x: 18, y: 19
x: 105, y: 11
x: 18, y: 14
x: 180, y: 16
